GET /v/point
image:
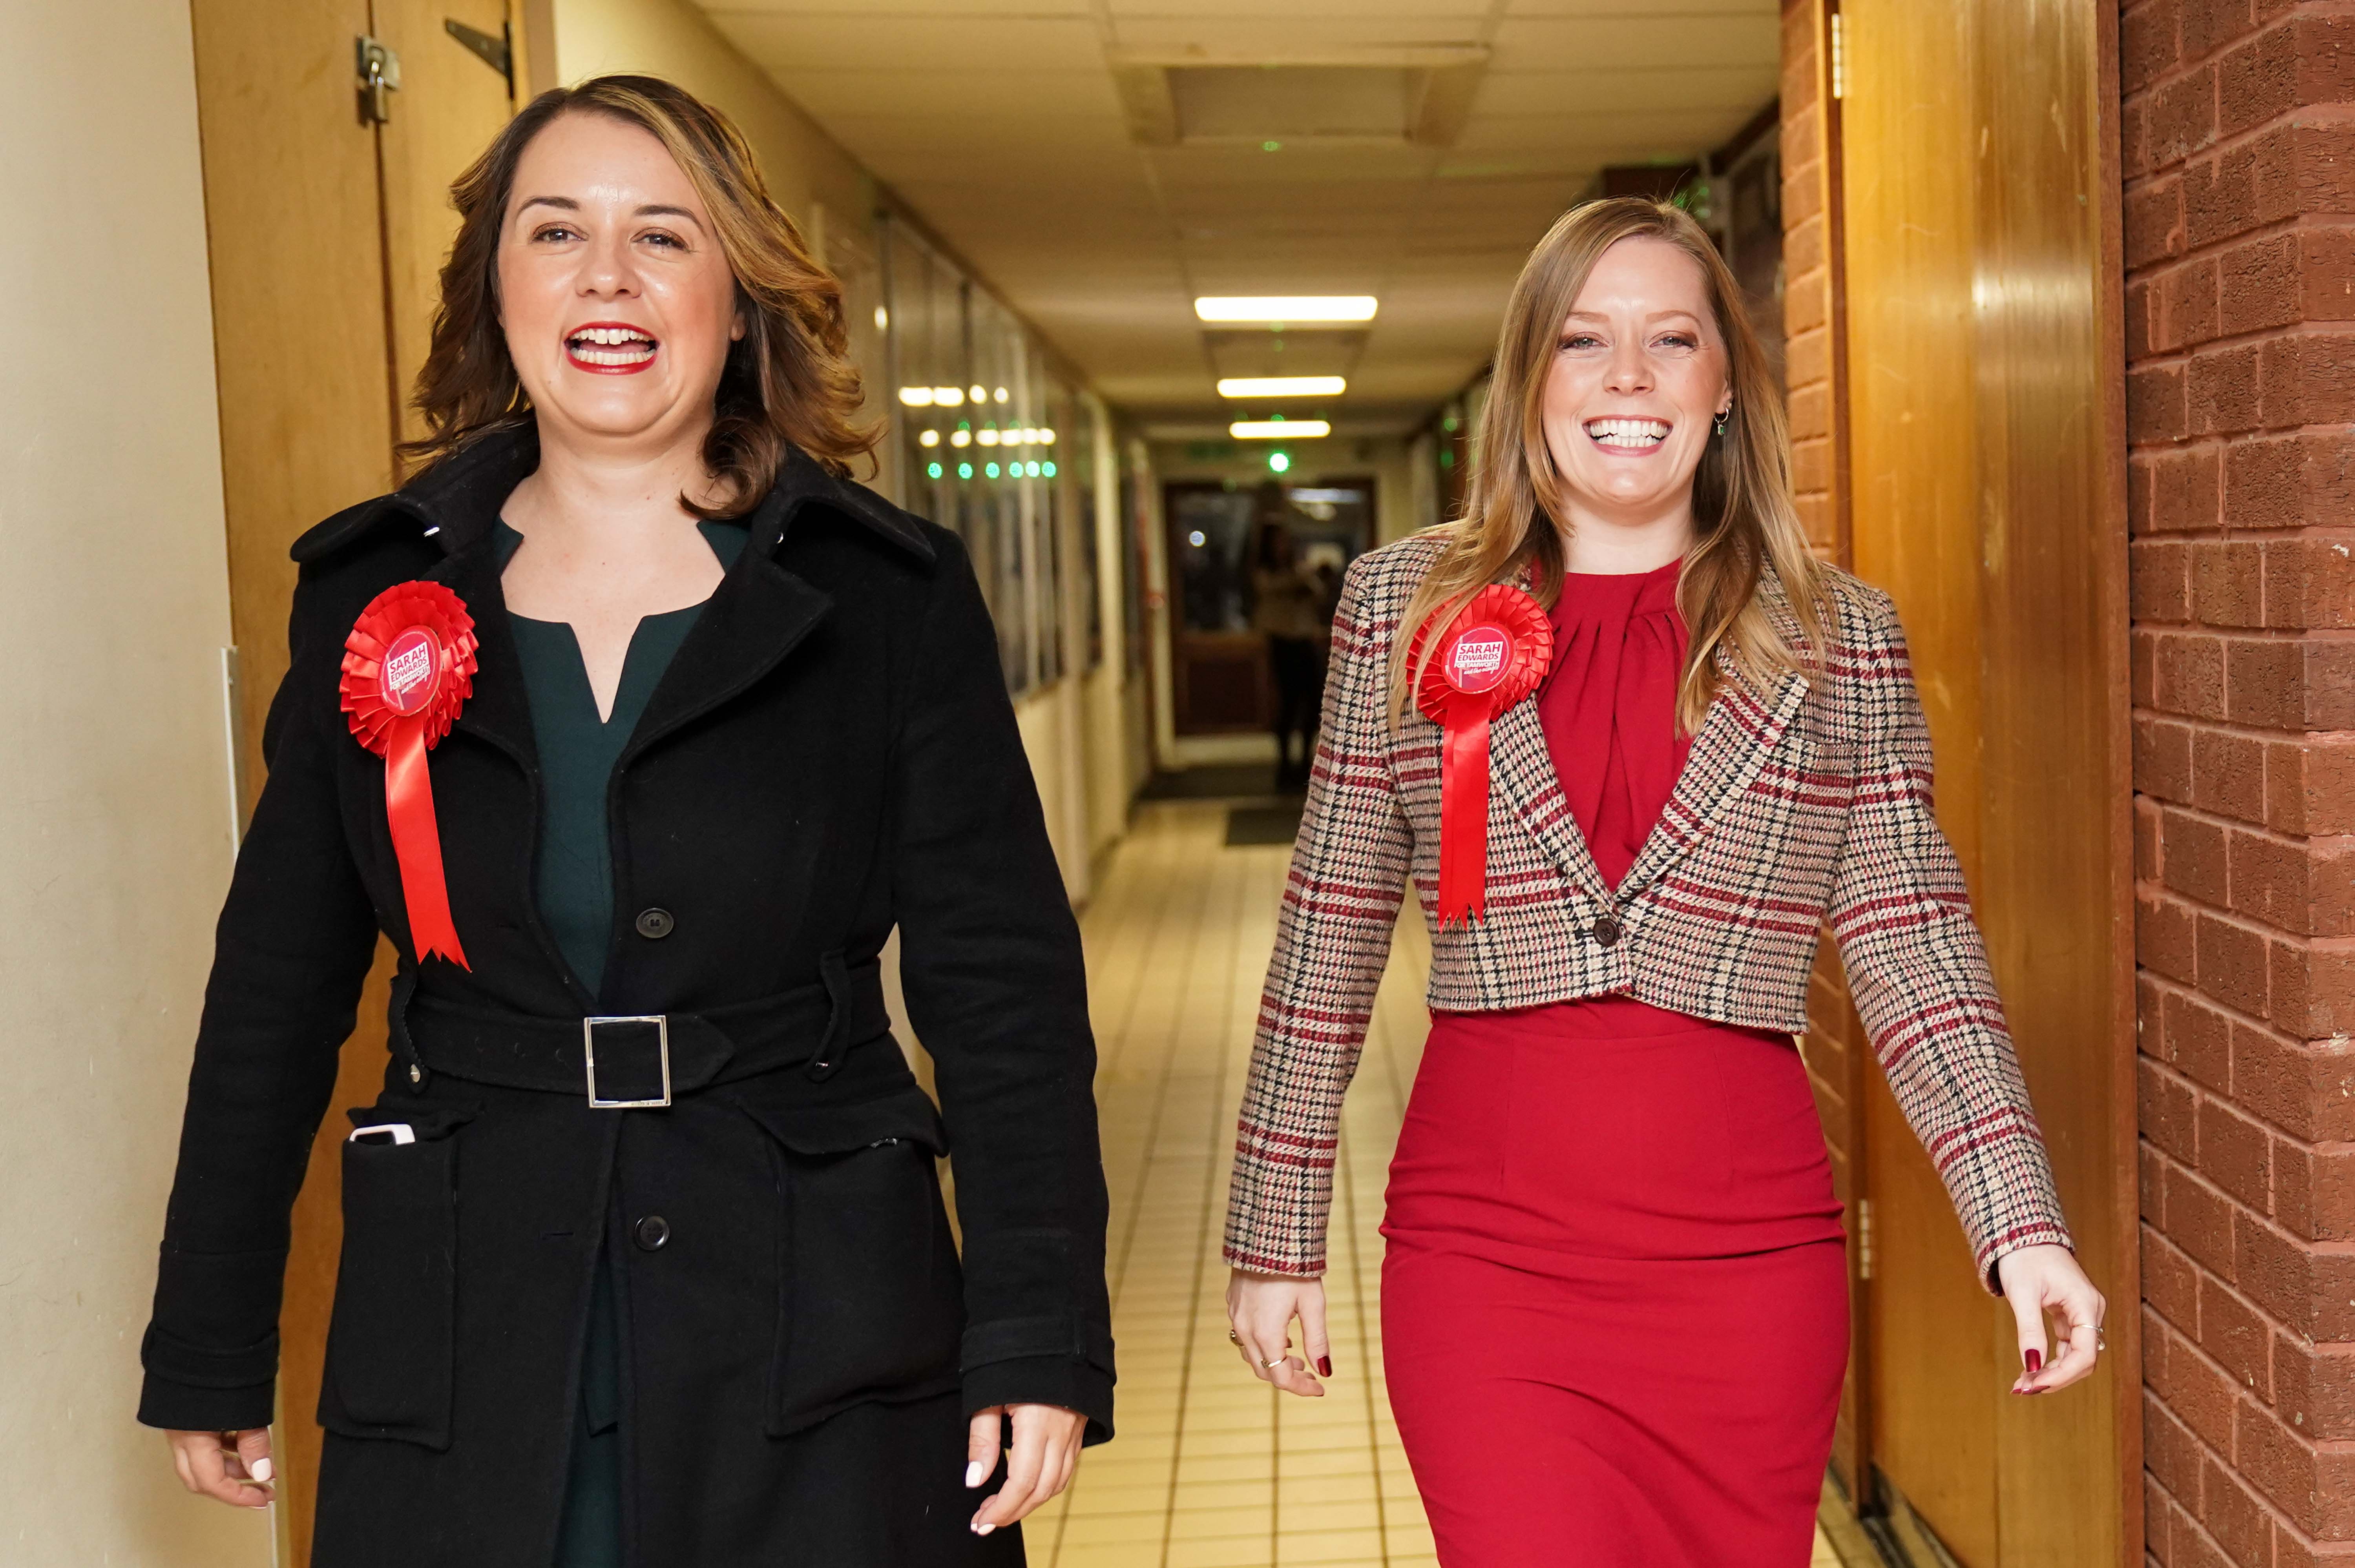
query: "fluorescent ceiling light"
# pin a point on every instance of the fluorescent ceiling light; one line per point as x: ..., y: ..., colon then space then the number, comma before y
x: 1278, y: 430
x: 1282, y: 387
x: 1287, y: 308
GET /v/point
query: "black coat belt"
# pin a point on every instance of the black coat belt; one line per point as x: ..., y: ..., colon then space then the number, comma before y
x: 641, y: 1061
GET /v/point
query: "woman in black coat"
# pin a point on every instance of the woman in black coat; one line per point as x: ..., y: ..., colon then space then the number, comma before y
x: 644, y: 1258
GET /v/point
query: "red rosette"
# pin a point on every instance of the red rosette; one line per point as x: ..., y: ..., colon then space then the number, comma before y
x: 409, y: 668
x: 1494, y: 652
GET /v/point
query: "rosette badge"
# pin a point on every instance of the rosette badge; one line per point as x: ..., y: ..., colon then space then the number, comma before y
x: 1493, y: 652
x: 408, y: 667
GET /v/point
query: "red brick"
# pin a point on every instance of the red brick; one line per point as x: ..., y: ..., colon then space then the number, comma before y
x: 2326, y: 683
x: 2228, y: 774
x: 2323, y: 47
x: 2258, y: 284
x: 2167, y: 1111
x: 2314, y: 1388
x: 2264, y: 482
x: 2199, y: 1041
x: 2235, y: 962
x: 2236, y: 1154
x: 2203, y: 1394
x: 2235, y: 1518
x: 2257, y: 80
x: 2170, y: 1450
x: 2170, y: 1282
x: 2142, y: 666
x: 2167, y: 936
x: 2315, y: 1189
x: 2150, y: 1187
x: 2187, y: 311
x: 2158, y: 580
x: 2309, y: 583
x: 2134, y: 142
x: 2146, y: 840
x: 2228, y: 577
x: 2148, y: 45
x: 2264, y: 683
x: 2224, y: 388
x: 2313, y: 988
x: 2182, y: 116
x: 2182, y: 488
x: 2189, y: 674
x: 2141, y: 327
x: 2326, y: 273
x: 2163, y: 759
x: 2316, y: 1488
x: 2310, y: 785
x: 2208, y: 24
x: 2307, y: 379
x: 2156, y: 410
x: 2200, y: 1221
x: 2323, y: 162
x: 2193, y: 858
x: 2237, y: 1338
x: 2306, y: 1090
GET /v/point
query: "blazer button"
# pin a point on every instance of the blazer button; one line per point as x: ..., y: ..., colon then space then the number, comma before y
x: 1605, y: 931
x: 655, y: 924
x: 651, y: 1233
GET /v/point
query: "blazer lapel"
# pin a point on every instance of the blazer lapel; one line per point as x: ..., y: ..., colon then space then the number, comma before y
x: 1521, y: 771
x: 1741, y: 730
x: 759, y: 614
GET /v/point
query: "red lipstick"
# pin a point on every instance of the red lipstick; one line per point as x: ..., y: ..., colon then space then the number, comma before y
x: 610, y: 348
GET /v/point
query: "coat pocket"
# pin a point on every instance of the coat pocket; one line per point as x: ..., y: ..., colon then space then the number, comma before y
x: 391, y: 1340
x: 871, y: 1297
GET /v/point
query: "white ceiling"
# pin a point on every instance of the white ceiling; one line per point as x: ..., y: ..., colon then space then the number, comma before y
x: 1002, y: 124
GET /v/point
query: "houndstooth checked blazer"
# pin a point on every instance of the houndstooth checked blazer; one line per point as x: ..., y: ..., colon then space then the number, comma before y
x: 1803, y: 802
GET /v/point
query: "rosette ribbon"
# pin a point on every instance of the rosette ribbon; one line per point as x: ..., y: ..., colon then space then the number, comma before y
x: 1493, y: 652
x: 408, y: 667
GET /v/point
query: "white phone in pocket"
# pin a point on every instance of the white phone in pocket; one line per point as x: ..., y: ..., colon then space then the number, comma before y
x: 398, y: 1131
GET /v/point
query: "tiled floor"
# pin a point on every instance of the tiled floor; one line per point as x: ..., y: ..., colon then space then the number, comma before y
x: 1212, y: 1468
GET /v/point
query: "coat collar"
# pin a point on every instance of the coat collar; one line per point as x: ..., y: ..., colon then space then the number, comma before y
x: 752, y: 621
x: 455, y: 502
x: 1741, y: 730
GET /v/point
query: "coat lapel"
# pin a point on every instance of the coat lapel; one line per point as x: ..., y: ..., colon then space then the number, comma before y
x: 499, y: 711
x: 1523, y: 770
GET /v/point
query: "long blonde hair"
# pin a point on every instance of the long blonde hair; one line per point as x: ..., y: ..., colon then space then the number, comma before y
x: 1745, y: 521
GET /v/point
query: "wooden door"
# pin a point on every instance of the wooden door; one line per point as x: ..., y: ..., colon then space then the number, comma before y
x: 1987, y: 457
x: 325, y: 233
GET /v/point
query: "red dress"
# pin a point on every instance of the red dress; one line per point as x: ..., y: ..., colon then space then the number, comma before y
x: 1614, y: 1304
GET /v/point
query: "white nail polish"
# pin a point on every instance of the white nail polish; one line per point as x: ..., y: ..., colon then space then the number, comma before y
x: 263, y: 1472
x: 983, y: 1529
x: 975, y: 1473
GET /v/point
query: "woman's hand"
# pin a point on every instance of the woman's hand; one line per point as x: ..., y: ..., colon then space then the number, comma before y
x: 1260, y: 1307
x: 228, y: 1466
x: 2040, y: 1279
x: 1046, y: 1451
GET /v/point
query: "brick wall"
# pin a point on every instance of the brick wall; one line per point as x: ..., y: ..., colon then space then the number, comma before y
x: 2238, y: 136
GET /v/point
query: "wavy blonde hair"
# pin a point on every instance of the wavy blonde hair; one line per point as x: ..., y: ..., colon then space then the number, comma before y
x: 789, y: 380
x: 1744, y: 523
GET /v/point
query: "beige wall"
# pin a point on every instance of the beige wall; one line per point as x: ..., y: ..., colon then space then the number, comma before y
x: 115, y: 799
x: 807, y: 172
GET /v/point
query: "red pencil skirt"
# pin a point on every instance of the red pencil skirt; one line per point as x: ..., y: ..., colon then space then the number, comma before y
x: 1615, y: 1303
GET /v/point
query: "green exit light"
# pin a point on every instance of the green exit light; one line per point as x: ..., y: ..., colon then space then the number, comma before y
x: 1271, y: 146
x: 965, y: 471
x: 1278, y: 462
x: 1048, y: 468
x: 932, y: 469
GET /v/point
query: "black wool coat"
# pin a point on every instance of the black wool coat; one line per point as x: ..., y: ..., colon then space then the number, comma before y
x: 830, y: 755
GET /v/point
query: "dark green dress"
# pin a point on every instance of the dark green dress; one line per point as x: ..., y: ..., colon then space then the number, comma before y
x: 573, y: 885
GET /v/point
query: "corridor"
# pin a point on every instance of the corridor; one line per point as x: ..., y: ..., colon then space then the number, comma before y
x: 1212, y: 1468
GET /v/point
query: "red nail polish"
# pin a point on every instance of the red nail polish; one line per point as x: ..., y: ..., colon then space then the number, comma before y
x: 1325, y: 1366
x: 2035, y: 1362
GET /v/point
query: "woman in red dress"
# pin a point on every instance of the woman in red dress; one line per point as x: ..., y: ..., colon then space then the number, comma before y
x: 1615, y: 1310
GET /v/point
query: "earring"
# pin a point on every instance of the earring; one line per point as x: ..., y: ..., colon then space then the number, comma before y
x: 1722, y: 419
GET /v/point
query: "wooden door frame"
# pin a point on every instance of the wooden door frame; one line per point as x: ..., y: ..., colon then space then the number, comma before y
x: 2124, y: 1286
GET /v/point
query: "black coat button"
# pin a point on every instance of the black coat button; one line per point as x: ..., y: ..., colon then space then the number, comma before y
x: 1606, y: 931
x: 655, y: 924
x: 651, y: 1233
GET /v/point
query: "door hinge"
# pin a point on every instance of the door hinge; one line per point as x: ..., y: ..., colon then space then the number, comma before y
x: 498, y: 53
x: 1839, y: 58
x: 1864, y: 1238
x: 379, y: 79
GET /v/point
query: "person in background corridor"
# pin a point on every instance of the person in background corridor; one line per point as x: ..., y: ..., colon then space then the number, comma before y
x: 1615, y: 1295
x: 644, y: 1260
x: 1288, y: 609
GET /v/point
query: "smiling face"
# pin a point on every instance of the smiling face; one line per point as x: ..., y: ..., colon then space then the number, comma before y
x: 616, y: 301
x: 1638, y: 375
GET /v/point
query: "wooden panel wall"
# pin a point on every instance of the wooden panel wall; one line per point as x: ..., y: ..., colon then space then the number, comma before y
x: 1985, y: 382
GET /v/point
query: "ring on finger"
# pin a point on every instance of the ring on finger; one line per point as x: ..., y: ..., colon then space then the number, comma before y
x: 1277, y: 1362
x: 1233, y: 1337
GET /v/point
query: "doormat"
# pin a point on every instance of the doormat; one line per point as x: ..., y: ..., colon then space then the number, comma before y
x: 1248, y: 825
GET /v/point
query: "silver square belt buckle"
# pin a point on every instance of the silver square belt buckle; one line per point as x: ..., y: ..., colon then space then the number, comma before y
x: 661, y: 1043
